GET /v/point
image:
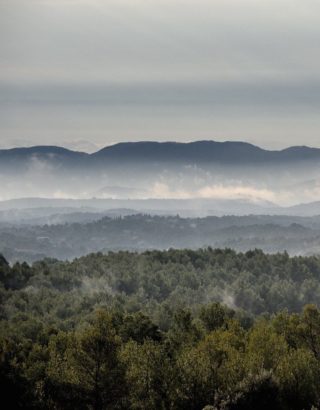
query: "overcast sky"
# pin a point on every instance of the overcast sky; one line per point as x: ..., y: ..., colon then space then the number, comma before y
x: 87, y: 73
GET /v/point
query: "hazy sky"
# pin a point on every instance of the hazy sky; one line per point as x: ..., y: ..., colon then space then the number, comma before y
x: 82, y: 73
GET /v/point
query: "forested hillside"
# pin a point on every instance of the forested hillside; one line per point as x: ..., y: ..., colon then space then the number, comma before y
x: 178, y: 329
x: 297, y: 235
x: 157, y: 281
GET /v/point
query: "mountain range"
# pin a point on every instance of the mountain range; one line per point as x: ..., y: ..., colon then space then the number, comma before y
x: 194, y: 153
x: 206, y: 170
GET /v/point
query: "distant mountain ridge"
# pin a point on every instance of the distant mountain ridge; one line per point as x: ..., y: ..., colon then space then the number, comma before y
x: 206, y: 151
x: 193, y: 152
x: 184, y: 207
x: 142, y: 170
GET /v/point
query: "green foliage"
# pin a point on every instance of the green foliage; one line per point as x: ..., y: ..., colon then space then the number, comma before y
x: 103, y: 365
x: 215, y: 315
x: 90, y: 361
x: 150, y: 375
x: 133, y: 331
x: 16, y: 389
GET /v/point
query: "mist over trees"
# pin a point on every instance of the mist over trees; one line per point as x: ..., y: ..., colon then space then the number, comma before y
x: 159, y: 274
x: 179, y: 329
x: 117, y: 302
x: 24, y: 241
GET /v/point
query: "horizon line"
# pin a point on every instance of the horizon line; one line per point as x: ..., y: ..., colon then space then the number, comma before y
x: 68, y: 148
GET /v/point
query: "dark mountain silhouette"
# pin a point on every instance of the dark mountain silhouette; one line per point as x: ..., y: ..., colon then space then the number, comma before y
x: 138, y: 170
x: 239, y: 153
x: 41, y: 151
x: 203, y: 151
x: 20, y: 158
x: 192, y: 152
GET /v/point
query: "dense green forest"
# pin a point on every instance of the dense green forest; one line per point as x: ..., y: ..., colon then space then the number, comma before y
x: 176, y: 329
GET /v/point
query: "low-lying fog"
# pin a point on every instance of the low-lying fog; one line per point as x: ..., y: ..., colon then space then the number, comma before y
x: 262, y: 185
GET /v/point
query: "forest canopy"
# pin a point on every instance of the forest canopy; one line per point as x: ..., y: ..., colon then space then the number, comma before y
x: 176, y: 329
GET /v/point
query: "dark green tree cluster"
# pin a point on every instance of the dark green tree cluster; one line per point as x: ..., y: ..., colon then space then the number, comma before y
x: 178, y: 329
x: 157, y: 283
x: 210, y: 361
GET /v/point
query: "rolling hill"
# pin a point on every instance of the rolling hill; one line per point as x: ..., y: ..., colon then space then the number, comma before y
x: 194, y: 152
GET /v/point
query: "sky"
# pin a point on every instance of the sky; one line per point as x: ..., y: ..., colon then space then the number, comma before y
x: 90, y: 73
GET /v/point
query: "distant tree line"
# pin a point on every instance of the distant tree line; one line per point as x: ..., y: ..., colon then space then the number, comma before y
x: 299, y: 236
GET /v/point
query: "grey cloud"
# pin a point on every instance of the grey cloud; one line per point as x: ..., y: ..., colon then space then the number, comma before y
x: 175, y: 69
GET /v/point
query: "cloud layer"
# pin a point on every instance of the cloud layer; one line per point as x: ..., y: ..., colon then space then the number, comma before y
x: 106, y: 71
